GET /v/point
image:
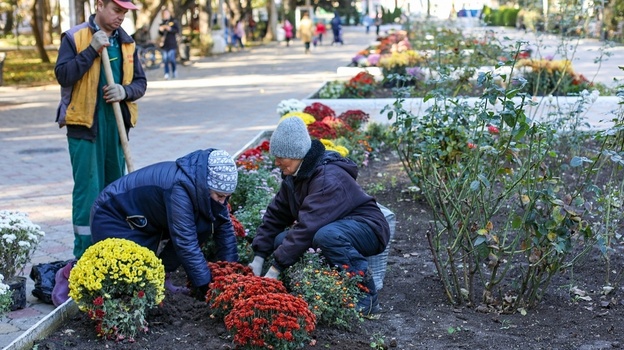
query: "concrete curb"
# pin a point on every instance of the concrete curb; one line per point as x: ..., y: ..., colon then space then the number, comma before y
x: 44, y: 327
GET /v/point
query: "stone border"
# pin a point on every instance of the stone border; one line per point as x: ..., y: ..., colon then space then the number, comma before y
x: 52, y: 321
x: 598, y: 115
x: 44, y: 327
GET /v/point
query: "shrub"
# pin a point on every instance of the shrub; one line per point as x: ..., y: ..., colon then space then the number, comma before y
x: 5, y: 297
x: 551, y: 77
x: 360, y: 86
x: 331, y: 292
x: 116, y: 281
x: 272, y: 320
x: 505, y: 220
x: 319, y: 111
x: 230, y: 289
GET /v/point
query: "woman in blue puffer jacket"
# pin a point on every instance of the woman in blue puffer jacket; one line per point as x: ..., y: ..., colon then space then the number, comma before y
x: 173, y: 208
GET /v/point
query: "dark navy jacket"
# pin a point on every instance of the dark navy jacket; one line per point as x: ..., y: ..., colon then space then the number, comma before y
x: 168, y: 200
x: 324, y: 190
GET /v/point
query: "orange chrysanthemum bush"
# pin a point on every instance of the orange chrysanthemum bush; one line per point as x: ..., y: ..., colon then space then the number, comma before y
x: 225, y: 291
x: 272, y: 321
x: 258, y: 311
x: 226, y: 268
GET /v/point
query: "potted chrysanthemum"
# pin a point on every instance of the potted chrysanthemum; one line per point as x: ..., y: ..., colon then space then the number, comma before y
x: 5, y: 297
x: 19, y: 239
x: 115, y: 282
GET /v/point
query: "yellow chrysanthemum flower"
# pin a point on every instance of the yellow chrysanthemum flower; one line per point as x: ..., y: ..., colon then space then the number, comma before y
x: 306, y: 117
x: 331, y: 146
x: 113, y: 268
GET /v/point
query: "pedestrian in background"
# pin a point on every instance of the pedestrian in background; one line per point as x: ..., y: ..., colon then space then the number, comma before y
x: 86, y: 106
x: 320, y: 30
x: 367, y: 21
x: 169, y: 30
x: 239, y: 34
x: 306, y: 31
x: 288, y: 31
x: 251, y: 28
x: 378, y: 22
x: 336, y: 26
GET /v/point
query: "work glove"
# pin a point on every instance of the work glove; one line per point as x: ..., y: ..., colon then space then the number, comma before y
x: 272, y: 273
x: 200, y: 292
x: 256, y: 265
x: 114, y: 93
x: 173, y: 288
x: 99, y: 40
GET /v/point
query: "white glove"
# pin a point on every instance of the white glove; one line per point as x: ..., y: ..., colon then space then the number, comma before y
x: 256, y: 265
x: 99, y: 40
x: 272, y: 273
x: 114, y: 93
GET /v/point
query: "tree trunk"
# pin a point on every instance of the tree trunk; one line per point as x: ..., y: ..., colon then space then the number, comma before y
x: 79, y: 9
x: 10, y: 23
x: 272, y: 21
x: 47, y: 22
x: 37, y: 33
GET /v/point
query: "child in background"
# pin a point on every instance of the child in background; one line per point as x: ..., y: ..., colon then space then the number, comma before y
x: 319, y: 31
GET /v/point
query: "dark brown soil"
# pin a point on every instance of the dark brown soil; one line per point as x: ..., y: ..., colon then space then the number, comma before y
x: 415, y: 313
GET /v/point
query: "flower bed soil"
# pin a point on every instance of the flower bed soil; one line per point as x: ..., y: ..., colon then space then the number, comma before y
x: 415, y: 313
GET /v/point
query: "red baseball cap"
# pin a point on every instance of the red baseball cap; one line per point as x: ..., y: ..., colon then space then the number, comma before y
x: 127, y: 4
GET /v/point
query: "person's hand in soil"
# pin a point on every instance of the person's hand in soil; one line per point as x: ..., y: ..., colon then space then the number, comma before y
x: 173, y: 288
x: 200, y: 292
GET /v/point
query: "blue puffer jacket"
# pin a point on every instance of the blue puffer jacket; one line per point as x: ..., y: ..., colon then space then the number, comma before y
x: 168, y: 200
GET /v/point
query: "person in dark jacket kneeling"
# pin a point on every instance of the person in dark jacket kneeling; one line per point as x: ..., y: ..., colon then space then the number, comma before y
x: 319, y: 205
x: 173, y: 208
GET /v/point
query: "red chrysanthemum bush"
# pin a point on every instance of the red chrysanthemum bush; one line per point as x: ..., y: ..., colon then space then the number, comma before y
x: 239, y: 229
x: 320, y: 130
x: 272, y: 321
x: 360, y: 86
x: 254, y: 158
x: 225, y: 268
x: 225, y: 291
x: 354, y: 118
x: 319, y: 111
x: 338, y: 125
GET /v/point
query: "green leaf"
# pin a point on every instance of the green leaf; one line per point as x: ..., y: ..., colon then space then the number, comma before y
x: 578, y: 161
x: 474, y: 185
x: 480, y: 240
x: 484, y: 180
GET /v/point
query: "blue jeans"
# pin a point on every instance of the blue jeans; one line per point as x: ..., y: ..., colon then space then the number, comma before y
x: 169, y: 58
x: 344, y: 242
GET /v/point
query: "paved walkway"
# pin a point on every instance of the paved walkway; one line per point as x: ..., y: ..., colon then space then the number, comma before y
x: 222, y: 101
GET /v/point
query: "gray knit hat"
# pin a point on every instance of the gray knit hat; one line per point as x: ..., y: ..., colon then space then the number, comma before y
x: 222, y: 174
x: 290, y: 139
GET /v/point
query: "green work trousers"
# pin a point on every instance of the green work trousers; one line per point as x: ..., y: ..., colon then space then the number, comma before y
x: 95, y: 164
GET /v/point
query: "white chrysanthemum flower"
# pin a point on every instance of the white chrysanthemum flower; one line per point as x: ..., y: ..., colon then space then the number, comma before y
x: 9, y: 237
x: 290, y: 105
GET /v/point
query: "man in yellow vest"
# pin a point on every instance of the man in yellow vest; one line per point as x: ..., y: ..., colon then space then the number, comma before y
x: 86, y: 108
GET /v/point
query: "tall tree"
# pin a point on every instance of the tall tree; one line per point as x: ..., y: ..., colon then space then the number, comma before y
x: 37, y: 24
